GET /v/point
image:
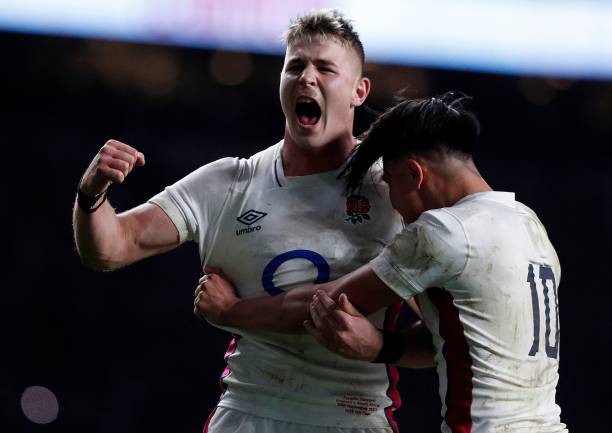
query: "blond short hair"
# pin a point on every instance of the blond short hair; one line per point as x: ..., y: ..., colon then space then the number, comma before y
x: 325, y: 23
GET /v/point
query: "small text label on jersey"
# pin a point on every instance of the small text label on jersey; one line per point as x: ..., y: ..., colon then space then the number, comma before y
x: 248, y: 218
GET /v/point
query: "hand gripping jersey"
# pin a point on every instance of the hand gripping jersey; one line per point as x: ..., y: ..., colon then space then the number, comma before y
x: 486, y: 278
x: 271, y: 233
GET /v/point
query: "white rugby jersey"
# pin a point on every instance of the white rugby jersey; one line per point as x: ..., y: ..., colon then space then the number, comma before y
x: 271, y: 233
x: 486, y: 278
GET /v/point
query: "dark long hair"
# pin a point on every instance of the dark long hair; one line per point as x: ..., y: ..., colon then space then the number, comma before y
x: 416, y: 127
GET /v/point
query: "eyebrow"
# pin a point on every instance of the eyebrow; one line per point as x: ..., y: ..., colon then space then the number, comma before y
x: 317, y: 62
x: 324, y: 62
x: 295, y: 59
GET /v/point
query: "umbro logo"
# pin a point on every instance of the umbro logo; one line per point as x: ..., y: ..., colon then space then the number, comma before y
x: 249, y: 218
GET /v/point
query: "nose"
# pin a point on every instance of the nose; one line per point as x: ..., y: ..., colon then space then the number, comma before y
x: 308, y: 76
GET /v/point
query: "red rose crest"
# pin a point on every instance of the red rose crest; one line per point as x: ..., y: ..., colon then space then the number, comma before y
x: 357, y: 208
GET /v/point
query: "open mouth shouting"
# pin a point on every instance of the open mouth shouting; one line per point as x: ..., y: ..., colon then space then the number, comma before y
x: 308, y: 111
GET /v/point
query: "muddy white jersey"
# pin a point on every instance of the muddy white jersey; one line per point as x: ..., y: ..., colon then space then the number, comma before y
x: 271, y: 233
x: 486, y: 278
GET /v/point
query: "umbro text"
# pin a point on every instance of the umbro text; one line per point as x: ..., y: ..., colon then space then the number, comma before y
x: 247, y: 230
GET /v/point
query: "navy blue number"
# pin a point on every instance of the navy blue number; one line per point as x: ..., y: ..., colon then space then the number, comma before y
x: 545, y: 275
x: 316, y: 259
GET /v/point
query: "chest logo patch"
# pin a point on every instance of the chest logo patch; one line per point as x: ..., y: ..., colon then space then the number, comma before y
x: 357, y: 208
x: 250, y: 217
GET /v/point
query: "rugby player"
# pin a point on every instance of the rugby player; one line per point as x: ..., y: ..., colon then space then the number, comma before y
x: 275, y: 221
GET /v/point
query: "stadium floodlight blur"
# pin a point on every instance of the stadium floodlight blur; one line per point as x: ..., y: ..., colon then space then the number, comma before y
x: 563, y: 38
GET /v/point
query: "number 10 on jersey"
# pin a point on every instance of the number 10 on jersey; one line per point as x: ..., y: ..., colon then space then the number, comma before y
x: 547, y: 288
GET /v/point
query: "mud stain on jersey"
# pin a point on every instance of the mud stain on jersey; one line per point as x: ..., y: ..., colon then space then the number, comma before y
x: 275, y: 375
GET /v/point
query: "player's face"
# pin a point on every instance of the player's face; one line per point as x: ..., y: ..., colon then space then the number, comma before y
x: 403, y: 189
x: 320, y: 87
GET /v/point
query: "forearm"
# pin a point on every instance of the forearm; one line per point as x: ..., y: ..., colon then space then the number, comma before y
x: 418, y: 348
x: 106, y: 240
x: 100, y: 237
x: 287, y: 312
x: 282, y: 313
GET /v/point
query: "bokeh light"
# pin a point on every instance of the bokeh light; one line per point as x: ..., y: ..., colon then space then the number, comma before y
x: 39, y: 404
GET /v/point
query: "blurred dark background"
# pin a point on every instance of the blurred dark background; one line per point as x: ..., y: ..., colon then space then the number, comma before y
x: 122, y: 351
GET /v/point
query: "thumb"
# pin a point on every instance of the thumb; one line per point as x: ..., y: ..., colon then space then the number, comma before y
x: 140, y: 159
x: 347, y: 307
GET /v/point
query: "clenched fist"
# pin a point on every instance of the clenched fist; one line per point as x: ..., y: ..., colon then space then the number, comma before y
x: 114, y: 161
x: 214, y: 297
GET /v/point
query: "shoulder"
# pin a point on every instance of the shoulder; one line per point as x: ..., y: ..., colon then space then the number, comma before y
x: 429, y: 252
x: 435, y: 243
x: 261, y: 161
x: 217, y: 173
x: 221, y: 168
x: 440, y: 233
x: 436, y: 236
x: 226, y: 171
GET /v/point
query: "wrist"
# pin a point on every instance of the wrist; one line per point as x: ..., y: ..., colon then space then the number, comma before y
x: 91, y: 187
x: 90, y: 203
x: 375, y: 348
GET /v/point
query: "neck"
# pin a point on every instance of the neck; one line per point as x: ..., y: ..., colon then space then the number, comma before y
x: 456, y: 184
x: 299, y: 160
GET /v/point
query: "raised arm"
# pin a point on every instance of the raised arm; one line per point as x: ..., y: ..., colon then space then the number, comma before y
x: 106, y: 240
x: 217, y: 301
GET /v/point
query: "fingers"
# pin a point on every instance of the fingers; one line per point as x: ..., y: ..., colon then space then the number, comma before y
x: 327, y: 337
x: 196, y: 299
x: 340, y: 327
x: 347, y: 307
x: 322, y: 309
x: 198, y: 307
x: 114, y: 161
x: 220, y: 283
x: 327, y: 302
x: 122, y: 158
x: 122, y: 147
x: 218, y: 271
x: 108, y: 174
x: 140, y: 159
x: 199, y: 293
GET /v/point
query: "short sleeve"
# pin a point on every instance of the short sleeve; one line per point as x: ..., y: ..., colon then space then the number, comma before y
x: 194, y: 202
x: 427, y: 253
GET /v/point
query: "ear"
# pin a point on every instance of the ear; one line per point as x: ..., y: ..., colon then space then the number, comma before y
x: 415, y: 172
x: 362, y: 90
